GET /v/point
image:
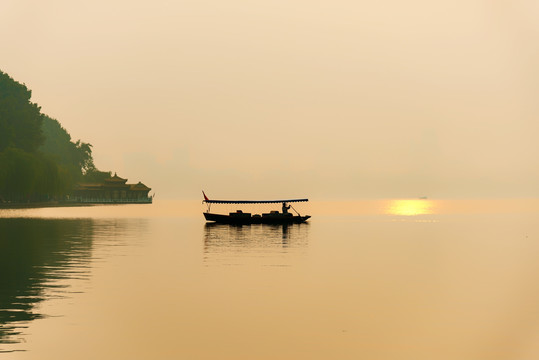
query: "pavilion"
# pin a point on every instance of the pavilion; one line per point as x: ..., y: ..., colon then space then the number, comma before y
x: 113, y: 190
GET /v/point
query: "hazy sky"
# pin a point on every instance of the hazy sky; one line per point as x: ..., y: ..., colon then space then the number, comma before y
x: 320, y: 99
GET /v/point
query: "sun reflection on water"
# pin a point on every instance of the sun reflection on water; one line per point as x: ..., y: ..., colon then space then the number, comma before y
x: 410, y: 207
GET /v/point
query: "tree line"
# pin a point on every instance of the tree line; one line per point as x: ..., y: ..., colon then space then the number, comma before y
x: 38, y: 159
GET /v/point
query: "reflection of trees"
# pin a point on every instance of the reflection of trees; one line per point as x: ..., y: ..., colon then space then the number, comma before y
x: 260, y: 238
x: 35, y: 255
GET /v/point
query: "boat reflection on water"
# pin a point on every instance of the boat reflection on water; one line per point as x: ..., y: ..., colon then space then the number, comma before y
x: 234, y: 244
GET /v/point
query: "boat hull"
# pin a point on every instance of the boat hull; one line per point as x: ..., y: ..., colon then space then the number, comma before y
x: 248, y: 219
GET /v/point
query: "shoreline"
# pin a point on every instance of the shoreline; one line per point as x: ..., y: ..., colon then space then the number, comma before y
x: 46, y: 204
x: 42, y: 204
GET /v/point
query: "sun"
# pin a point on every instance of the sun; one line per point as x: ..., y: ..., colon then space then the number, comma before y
x: 410, y: 207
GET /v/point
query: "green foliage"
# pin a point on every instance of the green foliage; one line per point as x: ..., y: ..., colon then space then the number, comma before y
x: 20, y: 119
x: 74, y: 157
x: 18, y: 173
x: 96, y: 176
x: 28, y: 176
x: 38, y: 160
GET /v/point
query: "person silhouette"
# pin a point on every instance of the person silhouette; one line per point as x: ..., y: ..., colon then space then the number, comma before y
x: 285, y: 208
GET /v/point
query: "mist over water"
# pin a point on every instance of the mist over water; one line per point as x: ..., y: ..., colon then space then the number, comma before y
x: 330, y: 100
x: 384, y: 279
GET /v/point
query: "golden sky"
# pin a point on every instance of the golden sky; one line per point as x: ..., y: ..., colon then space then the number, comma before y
x: 278, y: 98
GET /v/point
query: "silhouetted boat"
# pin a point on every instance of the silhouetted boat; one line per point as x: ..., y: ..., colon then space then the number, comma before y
x: 240, y: 217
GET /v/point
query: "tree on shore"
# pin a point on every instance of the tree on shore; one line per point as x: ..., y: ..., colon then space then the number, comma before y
x: 38, y: 159
x: 20, y: 119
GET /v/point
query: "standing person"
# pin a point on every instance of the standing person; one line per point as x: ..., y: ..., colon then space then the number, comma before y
x: 285, y: 208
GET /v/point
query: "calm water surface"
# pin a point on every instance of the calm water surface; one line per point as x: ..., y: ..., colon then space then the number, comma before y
x: 391, y: 279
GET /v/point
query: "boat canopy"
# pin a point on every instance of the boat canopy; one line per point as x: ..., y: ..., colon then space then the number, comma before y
x: 253, y: 201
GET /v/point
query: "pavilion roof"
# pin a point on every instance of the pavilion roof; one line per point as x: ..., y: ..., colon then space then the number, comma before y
x: 139, y: 186
x: 116, y: 179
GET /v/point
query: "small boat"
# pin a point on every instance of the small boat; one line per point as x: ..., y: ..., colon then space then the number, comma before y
x: 240, y: 217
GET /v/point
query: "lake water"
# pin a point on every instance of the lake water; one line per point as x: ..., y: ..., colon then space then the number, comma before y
x: 385, y: 279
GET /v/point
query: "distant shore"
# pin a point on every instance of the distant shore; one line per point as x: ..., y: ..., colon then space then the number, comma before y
x: 45, y: 204
x: 41, y: 204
